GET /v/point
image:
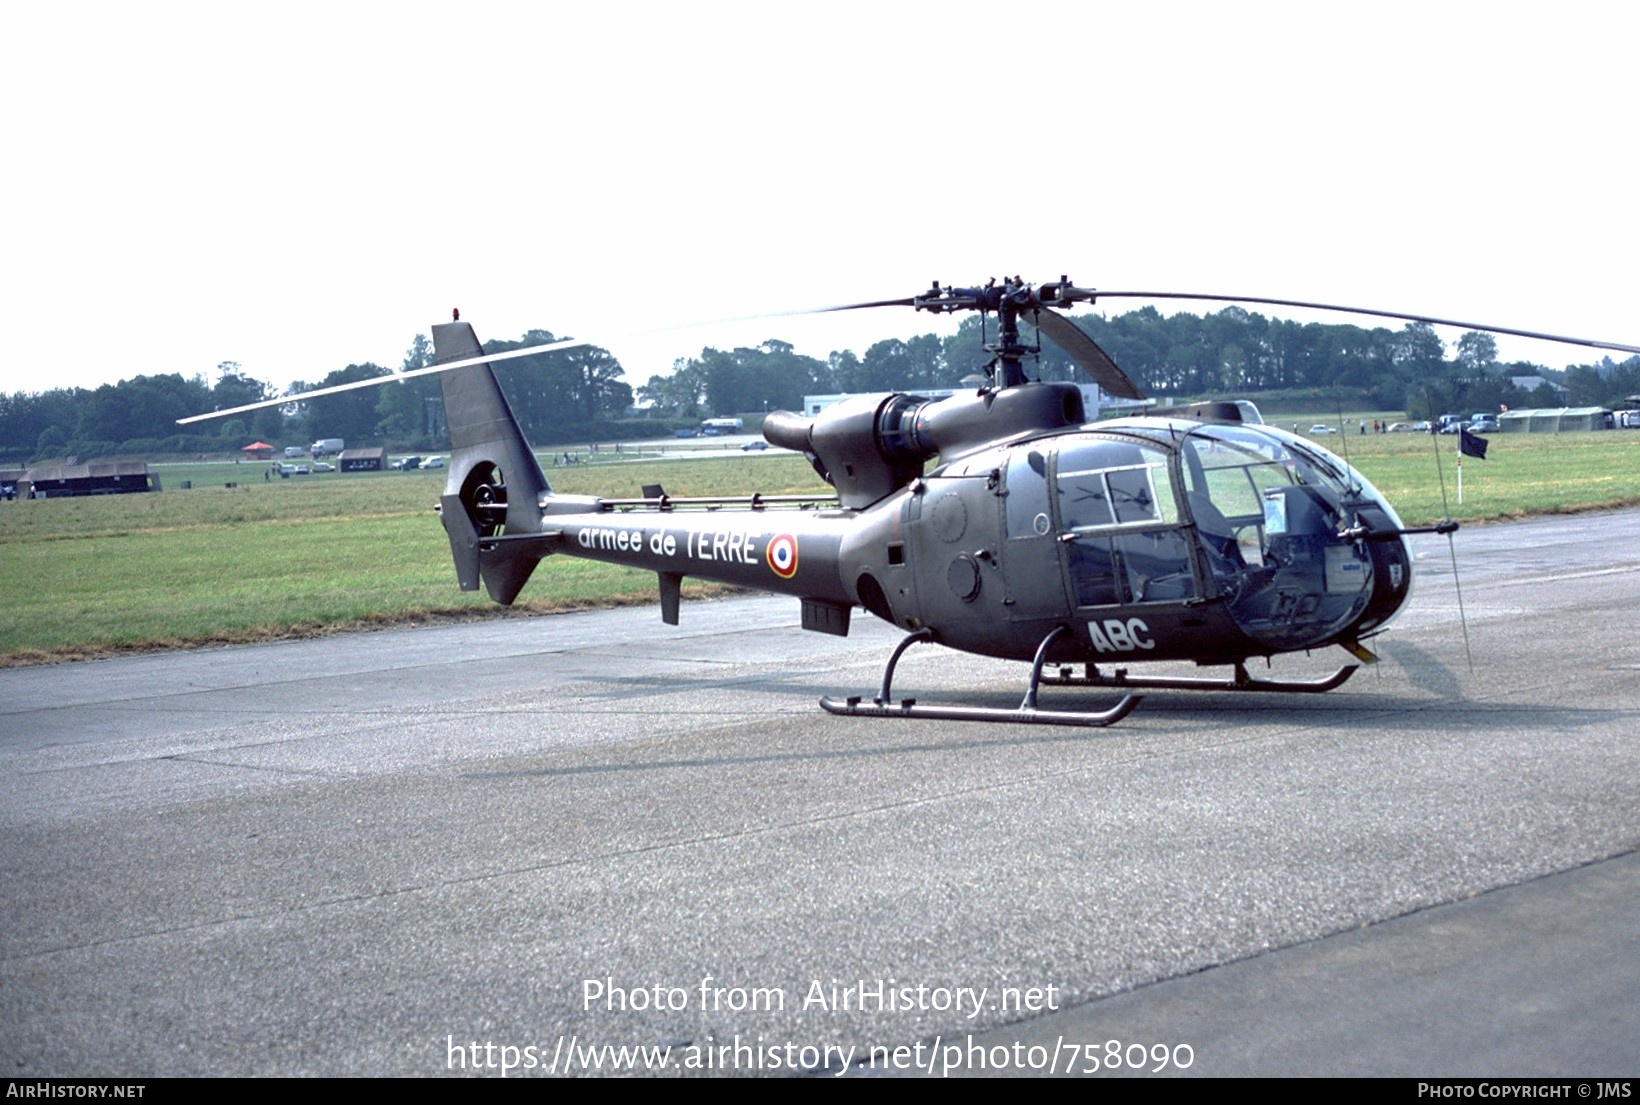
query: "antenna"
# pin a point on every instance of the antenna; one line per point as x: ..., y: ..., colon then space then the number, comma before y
x: 1452, y: 546
x: 1344, y: 445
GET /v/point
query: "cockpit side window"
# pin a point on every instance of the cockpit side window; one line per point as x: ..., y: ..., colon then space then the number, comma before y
x: 1119, y: 518
x: 1107, y: 483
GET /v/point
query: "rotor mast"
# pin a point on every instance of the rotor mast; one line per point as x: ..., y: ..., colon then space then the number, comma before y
x: 1010, y: 353
x: 1009, y: 300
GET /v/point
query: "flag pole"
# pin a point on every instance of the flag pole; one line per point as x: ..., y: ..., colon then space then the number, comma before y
x: 1460, y: 468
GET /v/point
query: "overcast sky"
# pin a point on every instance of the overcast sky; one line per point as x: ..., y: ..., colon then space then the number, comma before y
x: 296, y: 187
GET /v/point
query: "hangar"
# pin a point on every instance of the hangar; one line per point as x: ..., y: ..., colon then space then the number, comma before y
x: 117, y: 477
x: 362, y: 460
x: 1554, y: 420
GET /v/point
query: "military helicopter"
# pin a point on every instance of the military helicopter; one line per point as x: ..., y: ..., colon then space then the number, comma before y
x: 1203, y: 535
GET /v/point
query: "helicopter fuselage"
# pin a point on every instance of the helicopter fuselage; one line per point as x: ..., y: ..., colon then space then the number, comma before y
x: 1040, y: 533
x: 1153, y: 539
x: 1037, y: 535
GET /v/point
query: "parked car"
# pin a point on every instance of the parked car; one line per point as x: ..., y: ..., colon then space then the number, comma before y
x: 749, y: 446
x: 433, y: 462
x: 324, y: 466
x: 1487, y: 425
x: 1322, y: 428
x: 1398, y: 428
x: 407, y: 464
x: 684, y: 433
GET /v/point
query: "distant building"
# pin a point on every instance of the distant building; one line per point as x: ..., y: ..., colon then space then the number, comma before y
x: 98, y: 478
x: 363, y: 460
x: 1535, y: 383
x: 1555, y: 420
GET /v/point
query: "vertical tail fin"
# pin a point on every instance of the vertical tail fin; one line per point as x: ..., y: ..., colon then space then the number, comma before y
x: 495, y: 484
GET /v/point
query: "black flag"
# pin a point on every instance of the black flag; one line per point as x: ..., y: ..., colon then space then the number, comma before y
x: 1471, y: 445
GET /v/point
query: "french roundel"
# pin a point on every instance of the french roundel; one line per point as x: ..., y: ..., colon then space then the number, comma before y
x: 782, y: 555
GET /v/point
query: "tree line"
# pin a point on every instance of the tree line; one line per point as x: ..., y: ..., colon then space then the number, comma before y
x: 558, y: 396
x: 1229, y: 353
x: 579, y: 394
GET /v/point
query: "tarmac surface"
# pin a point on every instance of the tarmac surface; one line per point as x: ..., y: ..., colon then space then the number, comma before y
x: 531, y: 842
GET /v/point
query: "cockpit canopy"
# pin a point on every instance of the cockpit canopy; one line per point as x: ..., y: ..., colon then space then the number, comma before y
x: 1167, y: 511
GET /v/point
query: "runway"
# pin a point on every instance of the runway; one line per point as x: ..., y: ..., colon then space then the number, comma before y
x: 534, y: 841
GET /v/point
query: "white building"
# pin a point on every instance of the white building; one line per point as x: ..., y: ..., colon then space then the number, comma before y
x: 1533, y: 383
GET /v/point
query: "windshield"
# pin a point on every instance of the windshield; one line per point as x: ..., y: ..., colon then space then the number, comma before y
x: 1271, y: 510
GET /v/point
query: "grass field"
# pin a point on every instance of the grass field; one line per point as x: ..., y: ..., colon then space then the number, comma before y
x: 318, y: 553
x: 1522, y: 474
x: 290, y: 557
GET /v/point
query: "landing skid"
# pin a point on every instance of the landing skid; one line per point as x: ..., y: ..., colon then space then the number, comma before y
x: 1240, y: 681
x: 1028, y: 712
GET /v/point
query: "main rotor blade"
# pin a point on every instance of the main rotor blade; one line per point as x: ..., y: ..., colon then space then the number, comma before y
x: 377, y: 381
x: 1086, y: 352
x: 1430, y: 319
x: 795, y: 312
x: 907, y: 301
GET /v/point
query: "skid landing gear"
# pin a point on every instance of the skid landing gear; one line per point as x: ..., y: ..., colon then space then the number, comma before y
x: 1028, y: 713
x: 1240, y: 681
